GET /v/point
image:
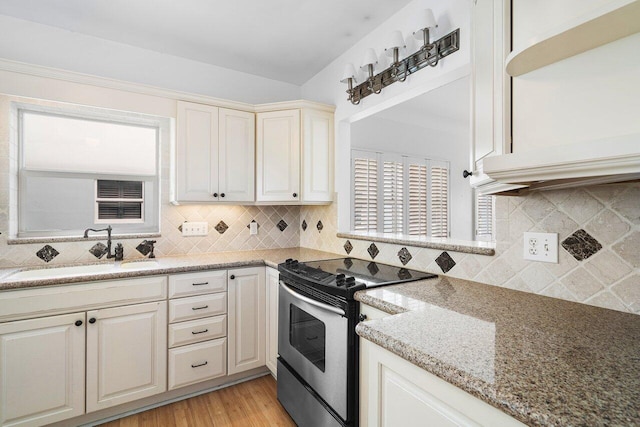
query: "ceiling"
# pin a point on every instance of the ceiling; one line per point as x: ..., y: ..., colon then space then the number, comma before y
x: 286, y: 40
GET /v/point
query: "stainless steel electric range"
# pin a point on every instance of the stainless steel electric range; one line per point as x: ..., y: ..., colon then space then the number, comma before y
x: 317, y: 343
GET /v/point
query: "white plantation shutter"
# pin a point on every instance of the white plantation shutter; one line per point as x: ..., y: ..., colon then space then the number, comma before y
x: 365, y: 193
x: 393, y: 196
x: 400, y: 194
x: 439, y: 201
x: 417, y: 203
x: 484, y: 216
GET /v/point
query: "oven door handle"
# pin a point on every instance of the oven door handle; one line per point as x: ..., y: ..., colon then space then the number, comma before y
x: 312, y: 301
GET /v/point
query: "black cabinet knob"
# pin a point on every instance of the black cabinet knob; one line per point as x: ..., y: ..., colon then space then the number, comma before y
x: 295, y: 194
x: 92, y: 320
x: 221, y: 194
x: 362, y: 317
x: 215, y: 194
x: 232, y: 277
x: 466, y: 173
x: 78, y: 322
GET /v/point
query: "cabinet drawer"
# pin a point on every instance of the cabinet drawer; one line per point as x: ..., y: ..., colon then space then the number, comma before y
x: 43, y: 301
x: 197, y: 307
x: 197, y: 330
x: 197, y: 362
x: 182, y: 285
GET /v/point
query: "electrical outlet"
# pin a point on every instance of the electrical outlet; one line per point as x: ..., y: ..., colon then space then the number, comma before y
x: 541, y: 247
x: 195, y: 228
x: 253, y: 228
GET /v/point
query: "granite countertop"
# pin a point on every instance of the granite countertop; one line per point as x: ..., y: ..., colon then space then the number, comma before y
x: 168, y: 265
x: 544, y: 361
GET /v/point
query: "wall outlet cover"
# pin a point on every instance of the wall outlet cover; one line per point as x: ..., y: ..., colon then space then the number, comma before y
x: 541, y: 247
x: 253, y: 228
x: 195, y: 229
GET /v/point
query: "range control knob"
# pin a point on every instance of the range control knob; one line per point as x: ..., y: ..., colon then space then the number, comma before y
x: 351, y: 281
x: 340, y: 280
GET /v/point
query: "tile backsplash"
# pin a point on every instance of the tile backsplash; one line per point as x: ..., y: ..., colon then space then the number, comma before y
x: 599, y: 254
x: 227, y: 232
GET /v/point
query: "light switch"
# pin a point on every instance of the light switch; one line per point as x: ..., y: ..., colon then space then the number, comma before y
x: 195, y: 229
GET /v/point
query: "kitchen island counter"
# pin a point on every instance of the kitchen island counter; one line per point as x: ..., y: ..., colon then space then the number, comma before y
x: 542, y: 360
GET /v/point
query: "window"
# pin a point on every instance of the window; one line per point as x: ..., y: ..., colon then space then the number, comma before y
x: 365, y: 182
x: 439, y: 201
x: 400, y: 194
x: 484, y: 217
x: 119, y: 201
x: 80, y: 167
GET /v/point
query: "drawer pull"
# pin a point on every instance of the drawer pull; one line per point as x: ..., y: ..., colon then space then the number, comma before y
x: 201, y: 364
x: 199, y: 332
x: 200, y: 284
x: 199, y: 308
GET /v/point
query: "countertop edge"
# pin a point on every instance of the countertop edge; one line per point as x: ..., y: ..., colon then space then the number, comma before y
x: 444, y: 246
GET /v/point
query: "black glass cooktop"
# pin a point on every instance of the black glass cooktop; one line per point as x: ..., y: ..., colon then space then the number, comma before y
x: 343, y: 276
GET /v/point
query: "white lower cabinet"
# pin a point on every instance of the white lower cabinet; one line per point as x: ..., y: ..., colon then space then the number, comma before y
x: 272, y: 319
x: 395, y: 392
x: 197, y: 362
x: 198, y: 327
x: 88, y: 351
x: 126, y: 354
x: 246, y: 319
x: 42, y: 370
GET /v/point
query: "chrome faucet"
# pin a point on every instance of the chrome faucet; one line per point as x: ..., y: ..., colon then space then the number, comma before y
x: 108, y: 230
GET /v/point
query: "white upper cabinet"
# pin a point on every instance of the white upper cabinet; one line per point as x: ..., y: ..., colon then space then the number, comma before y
x: 236, y: 152
x: 215, y: 154
x: 278, y: 159
x: 490, y: 23
x: 317, y: 155
x: 295, y: 156
x: 575, y: 91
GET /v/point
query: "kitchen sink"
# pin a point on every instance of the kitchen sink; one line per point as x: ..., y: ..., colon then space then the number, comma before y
x: 51, y: 273
x: 139, y: 265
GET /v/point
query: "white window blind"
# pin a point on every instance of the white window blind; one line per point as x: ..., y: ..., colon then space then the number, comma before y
x: 393, y: 196
x: 484, y: 216
x: 417, y: 209
x: 365, y: 197
x: 439, y: 201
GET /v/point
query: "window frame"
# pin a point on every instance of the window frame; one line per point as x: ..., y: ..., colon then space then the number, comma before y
x: 150, y: 225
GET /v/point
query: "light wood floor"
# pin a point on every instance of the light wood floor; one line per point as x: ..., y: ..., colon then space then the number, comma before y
x: 252, y: 403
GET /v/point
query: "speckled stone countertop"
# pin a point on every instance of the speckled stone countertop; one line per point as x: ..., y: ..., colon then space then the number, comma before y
x: 544, y: 361
x: 168, y: 265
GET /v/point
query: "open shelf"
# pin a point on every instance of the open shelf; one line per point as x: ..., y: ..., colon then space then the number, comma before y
x: 615, y: 20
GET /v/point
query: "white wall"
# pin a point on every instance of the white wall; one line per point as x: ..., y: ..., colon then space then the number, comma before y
x: 326, y: 86
x: 34, y: 43
x: 389, y: 136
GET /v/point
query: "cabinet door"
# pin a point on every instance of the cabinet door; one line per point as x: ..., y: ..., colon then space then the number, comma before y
x: 246, y: 319
x: 197, y: 153
x: 278, y: 159
x: 126, y: 354
x: 490, y: 43
x: 272, y: 320
x: 237, y: 156
x: 317, y: 156
x: 42, y: 370
x: 394, y: 392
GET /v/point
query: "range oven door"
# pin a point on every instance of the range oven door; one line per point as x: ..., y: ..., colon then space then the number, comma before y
x: 312, y: 339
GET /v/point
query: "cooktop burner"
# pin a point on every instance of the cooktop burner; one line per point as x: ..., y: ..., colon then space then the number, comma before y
x: 345, y: 276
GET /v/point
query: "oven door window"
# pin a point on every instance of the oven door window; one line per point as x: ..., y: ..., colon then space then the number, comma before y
x: 307, y: 335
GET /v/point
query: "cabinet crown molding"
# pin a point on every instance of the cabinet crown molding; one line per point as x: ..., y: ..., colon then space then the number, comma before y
x: 109, y: 83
